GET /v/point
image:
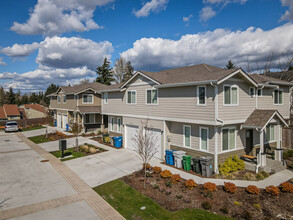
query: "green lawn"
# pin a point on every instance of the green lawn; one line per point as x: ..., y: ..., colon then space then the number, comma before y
x: 39, y: 139
x: 33, y: 128
x: 128, y: 202
x: 69, y: 151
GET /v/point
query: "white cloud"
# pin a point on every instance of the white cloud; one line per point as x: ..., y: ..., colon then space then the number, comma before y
x: 151, y: 6
x: 2, y: 63
x: 53, y: 17
x: 213, y: 47
x: 20, y: 50
x: 206, y: 13
x: 186, y: 19
x: 289, y: 13
x: 225, y: 2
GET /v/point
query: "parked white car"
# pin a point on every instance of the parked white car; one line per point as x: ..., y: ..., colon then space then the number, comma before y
x: 11, y: 126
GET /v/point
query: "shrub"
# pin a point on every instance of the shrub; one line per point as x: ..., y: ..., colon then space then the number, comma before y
x: 262, y: 175
x: 176, y: 178
x: 92, y: 150
x: 224, y: 210
x: 236, y: 203
x: 99, y: 132
x: 178, y: 196
x: 249, y: 176
x: 265, y: 174
x: 92, y: 133
x: 231, y: 164
x: 168, y: 183
x: 230, y: 187
x: 286, y: 187
x: 252, y: 189
x: 206, y: 205
x: 290, y: 166
x: 256, y: 205
x: 157, y: 169
x: 288, y: 154
x: 274, y: 191
x: 190, y: 184
x: 166, y: 174
x: 211, y: 187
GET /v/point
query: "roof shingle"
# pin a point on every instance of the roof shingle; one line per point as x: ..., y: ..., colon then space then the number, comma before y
x: 11, y: 110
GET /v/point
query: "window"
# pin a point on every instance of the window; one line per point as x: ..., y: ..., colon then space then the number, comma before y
x: 152, y: 96
x: 278, y: 97
x: 119, y: 124
x: 64, y: 99
x: 111, y: 124
x: 187, y: 135
x: 89, y: 118
x: 201, y: 93
x: 59, y: 99
x: 228, y: 138
x: 251, y: 91
x: 270, y: 133
x: 259, y: 92
x: 131, y: 97
x: 87, y: 99
x: 106, y: 98
x: 230, y: 95
x: 203, y: 138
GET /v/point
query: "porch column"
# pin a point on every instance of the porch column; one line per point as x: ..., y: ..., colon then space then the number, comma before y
x: 102, y: 123
x: 278, y: 151
x: 262, y: 150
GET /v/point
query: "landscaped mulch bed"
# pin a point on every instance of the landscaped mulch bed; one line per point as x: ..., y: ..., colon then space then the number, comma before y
x: 100, y: 140
x: 239, y: 205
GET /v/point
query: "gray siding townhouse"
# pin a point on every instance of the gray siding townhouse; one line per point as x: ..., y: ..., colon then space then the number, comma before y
x: 203, y: 110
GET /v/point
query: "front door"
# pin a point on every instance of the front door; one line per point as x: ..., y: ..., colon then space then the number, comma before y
x: 249, y: 142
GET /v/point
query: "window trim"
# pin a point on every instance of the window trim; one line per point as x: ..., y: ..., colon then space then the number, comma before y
x: 274, y: 138
x: 231, y: 127
x: 63, y: 99
x: 111, y: 126
x: 200, y: 138
x: 254, y: 93
x: 59, y: 101
x: 205, y: 97
x: 260, y: 92
x: 106, y: 99
x: 231, y: 86
x: 87, y: 102
x: 94, y: 122
x: 184, y: 144
x: 278, y: 96
x: 127, y: 97
x: 119, y: 130
x: 146, y: 96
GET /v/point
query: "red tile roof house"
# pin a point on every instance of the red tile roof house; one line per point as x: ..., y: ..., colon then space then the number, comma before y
x: 10, y: 111
x: 34, y: 111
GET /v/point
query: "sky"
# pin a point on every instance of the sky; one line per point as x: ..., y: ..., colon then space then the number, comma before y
x: 64, y: 41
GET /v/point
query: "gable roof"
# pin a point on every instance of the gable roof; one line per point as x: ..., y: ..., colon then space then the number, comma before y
x: 267, y: 80
x: 11, y: 110
x: 36, y: 107
x: 2, y: 113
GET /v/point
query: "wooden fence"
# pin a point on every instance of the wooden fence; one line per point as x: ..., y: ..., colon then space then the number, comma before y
x: 32, y: 121
x: 287, y: 138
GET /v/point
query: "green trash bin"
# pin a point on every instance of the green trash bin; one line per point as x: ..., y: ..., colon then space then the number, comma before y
x: 196, y: 164
x: 105, y: 135
x: 186, y: 162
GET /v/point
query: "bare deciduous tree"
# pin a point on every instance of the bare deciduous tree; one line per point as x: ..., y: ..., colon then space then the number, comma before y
x: 76, y: 128
x: 122, y: 70
x: 145, y: 145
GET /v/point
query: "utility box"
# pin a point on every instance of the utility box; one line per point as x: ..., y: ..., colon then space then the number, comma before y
x: 178, y: 154
x: 62, y: 144
x: 206, y: 166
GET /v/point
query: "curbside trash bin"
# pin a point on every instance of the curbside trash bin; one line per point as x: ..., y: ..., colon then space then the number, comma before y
x: 105, y: 135
x: 67, y: 127
x: 186, y: 162
x: 178, y: 158
x: 206, y: 166
x: 55, y: 123
x: 169, y: 157
x: 117, y: 142
x: 196, y: 164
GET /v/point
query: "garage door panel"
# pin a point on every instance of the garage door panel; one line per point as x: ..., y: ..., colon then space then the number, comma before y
x: 59, y: 121
x: 131, y: 132
x: 157, y: 139
x: 64, y: 121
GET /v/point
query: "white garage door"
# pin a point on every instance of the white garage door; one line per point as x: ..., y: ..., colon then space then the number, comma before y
x: 131, y: 132
x: 156, y: 137
x: 64, y: 121
x: 59, y: 121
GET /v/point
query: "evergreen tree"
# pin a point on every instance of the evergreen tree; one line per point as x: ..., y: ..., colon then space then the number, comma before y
x: 24, y: 99
x: 290, y: 67
x: 230, y: 65
x: 3, y: 99
x: 52, y: 88
x: 18, y: 98
x: 11, y: 96
x: 33, y: 98
x: 129, y: 71
x: 104, y: 73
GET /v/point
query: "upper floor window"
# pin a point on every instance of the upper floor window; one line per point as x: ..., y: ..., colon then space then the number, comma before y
x: 64, y: 99
x: 152, y: 96
x: 59, y: 99
x: 270, y: 133
x: 186, y: 135
x: 201, y: 93
x: 87, y: 98
x: 228, y: 138
x: 131, y: 97
x: 251, y: 91
x: 278, y: 97
x: 105, y: 98
x: 204, y: 138
x: 230, y: 95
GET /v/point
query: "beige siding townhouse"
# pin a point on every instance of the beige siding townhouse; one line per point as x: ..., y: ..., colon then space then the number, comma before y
x: 203, y: 110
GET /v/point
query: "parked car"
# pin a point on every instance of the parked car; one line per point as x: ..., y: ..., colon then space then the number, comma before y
x: 11, y: 126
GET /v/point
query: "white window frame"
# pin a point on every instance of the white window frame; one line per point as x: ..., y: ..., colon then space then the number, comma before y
x: 59, y: 99
x: 274, y: 136
x: 205, y: 97
x: 232, y: 127
x: 231, y: 86
x: 64, y: 96
x: 200, y: 147
x: 87, y: 102
x: 184, y: 144
x: 131, y: 93
x: 90, y: 122
x: 278, y: 97
x: 146, y: 97
x: 260, y: 92
x: 252, y: 95
x: 111, y: 126
x: 106, y: 95
x: 119, y: 126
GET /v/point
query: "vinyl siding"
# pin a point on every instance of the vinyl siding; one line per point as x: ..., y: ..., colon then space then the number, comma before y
x: 70, y: 103
x: 96, y: 99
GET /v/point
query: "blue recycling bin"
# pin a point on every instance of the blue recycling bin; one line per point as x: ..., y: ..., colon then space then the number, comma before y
x: 118, y: 142
x: 55, y: 123
x: 169, y: 157
x: 67, y: 127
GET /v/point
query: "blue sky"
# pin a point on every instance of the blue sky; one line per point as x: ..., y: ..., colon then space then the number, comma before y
x: 62, y: 41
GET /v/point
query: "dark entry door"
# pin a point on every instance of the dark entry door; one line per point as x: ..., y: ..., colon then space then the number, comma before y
x: 249, y: 141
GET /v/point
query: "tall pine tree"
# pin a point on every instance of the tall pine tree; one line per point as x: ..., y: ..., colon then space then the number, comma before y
x: 230, y: 65
x: 104, y: 73
x: 11, y: 96
x: 3, y: 99
x: 52, y: 88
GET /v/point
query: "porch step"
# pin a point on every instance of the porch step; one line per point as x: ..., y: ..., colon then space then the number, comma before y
x: 277, y: 167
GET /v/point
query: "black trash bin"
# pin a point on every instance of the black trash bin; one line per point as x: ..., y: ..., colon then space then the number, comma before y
x: 196, y: 164
x: 105, y: 135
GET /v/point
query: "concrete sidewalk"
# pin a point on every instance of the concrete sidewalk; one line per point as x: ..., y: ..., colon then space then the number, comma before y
x: 42, y: 131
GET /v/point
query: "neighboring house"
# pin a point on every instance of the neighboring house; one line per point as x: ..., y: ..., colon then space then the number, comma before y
x: 34, y: 111
x: 79, y: 103
x: 22, y: 113
x: 201, y: 109
x: 9, y: 112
